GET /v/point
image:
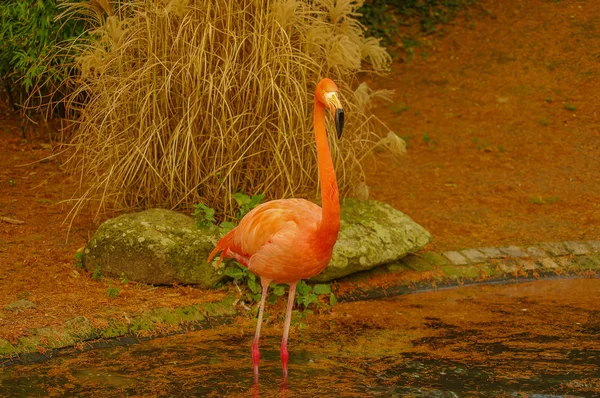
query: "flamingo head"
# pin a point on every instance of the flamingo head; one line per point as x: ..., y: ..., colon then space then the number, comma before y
x: 327, y: 94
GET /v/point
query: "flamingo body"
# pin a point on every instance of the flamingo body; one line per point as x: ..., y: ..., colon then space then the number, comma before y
x: 278, y: 240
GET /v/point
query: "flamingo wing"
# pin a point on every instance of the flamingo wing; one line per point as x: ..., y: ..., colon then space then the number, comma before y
x: 272, y: 238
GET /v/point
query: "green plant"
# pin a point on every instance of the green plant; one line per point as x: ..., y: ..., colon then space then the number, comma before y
x: 482, y: 145
x: 431, y: 142
x: 205, y: 216
x: 124, y: 279
x: 398, y: 108
x: 30, y: 59
x: 539, y: 200
x: 570, y: 107
x: 97, y: 273
x: 112, y: 292
x: 79, y: 260
x: 12, y: 182
x: 306, y: 295
x: 382, y: 18
x: 543, y: 122
x: 243, y: 277
x: 246, y: 203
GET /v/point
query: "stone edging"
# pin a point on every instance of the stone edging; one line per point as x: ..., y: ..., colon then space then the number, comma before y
x: 485, y: 265
x: 419, y: 271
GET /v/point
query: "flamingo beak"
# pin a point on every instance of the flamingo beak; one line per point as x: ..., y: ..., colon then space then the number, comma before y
x: 337, y: 111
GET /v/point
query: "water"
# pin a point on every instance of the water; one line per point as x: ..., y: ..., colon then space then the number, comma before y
x: 536, y: 340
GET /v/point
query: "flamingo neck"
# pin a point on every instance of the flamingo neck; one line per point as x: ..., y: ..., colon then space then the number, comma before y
x: 330, y: 222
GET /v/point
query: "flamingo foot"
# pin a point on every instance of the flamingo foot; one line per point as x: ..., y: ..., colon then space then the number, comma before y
x: 284, y: 359
x: 255, y: 358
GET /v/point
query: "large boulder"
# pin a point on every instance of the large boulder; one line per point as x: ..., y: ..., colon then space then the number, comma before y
x: 156, y: 246
x: 162, y: 247
x: 371, y: 233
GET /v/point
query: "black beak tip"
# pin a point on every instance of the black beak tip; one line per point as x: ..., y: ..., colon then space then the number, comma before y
x: 339, y: 122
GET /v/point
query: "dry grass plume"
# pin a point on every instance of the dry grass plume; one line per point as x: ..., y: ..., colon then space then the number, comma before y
x: 180, y: 102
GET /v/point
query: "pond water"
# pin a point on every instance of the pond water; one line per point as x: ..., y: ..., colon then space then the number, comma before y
x: 539, y: 339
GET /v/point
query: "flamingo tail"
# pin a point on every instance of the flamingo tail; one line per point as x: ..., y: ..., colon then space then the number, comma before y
x: 222, y: 246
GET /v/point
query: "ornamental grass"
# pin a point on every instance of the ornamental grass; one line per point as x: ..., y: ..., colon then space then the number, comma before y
x: 180, y: 102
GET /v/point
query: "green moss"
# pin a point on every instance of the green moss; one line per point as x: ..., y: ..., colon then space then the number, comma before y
x: 81, y: 328
x: 488, y: 271
x: 141, y: 323
x: 398, y: 266
x: 221, y: 308
x: 55, y: 337
x: 464, y: 271
x: 164, y: 315
x: 590, y: 262
x: 435, y: 259
x: 417, y: 263
x: 6, y: 348
x: 29, y: 344
x: 114, y: 329
x: 190, y: 313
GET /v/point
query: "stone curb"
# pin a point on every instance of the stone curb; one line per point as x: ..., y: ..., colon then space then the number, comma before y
x: 424, y: 271
x: 429, y: 270
x: 78, y: 334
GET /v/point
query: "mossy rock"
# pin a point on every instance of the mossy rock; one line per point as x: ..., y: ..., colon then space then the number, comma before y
x: 162, y: 247
x: 156, y: 246
x: 371, y: 233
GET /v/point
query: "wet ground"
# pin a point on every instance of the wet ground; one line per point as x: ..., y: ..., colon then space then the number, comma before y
x: 536, y: 339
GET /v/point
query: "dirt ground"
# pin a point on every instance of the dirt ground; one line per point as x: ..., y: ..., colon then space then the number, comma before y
x: 499, y: 110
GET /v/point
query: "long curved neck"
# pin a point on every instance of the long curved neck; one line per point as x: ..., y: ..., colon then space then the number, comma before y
x: 330, y: 223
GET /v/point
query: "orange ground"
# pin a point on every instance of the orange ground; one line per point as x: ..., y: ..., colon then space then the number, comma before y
x: 495, y: 156
x: 504, y: 149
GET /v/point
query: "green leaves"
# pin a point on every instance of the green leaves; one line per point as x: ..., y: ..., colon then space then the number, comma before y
x: 227, y: 226
x: 321, y: 289
x: 319, y: 295
x: 307, y: 295
x: 79, y: 260
x: 205, y: 216
x: 29, y: 34
x: 246, y: 203
x: 236, y: 272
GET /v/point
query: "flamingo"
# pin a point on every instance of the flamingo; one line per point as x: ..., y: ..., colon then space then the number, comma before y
x: 286, y: 240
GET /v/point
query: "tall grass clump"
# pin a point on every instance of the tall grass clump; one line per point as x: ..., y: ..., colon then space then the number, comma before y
x: 180, y: 102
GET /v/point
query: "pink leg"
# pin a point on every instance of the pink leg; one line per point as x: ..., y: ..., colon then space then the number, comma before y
x: 286, y: 330
x: 255, y: 352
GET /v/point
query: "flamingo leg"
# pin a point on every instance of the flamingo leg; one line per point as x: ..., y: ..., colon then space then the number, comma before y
x: 286, y: 329
x: 255, y: 352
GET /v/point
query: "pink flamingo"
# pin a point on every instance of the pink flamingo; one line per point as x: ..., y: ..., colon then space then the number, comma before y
x: 286, y: 240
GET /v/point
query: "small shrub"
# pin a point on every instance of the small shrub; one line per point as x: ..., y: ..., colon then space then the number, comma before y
x: 79, y: 260
x: 113, y: 292
x: 30, y: 60
x: 205, y: 216
x: 97, y: 273
x: 383, y: 18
